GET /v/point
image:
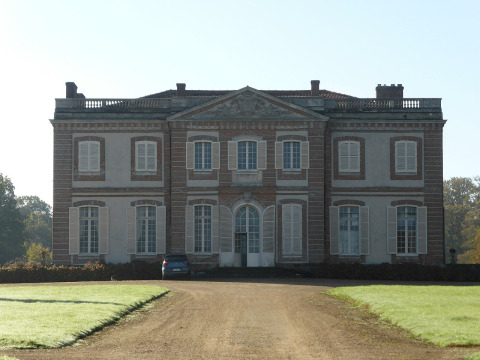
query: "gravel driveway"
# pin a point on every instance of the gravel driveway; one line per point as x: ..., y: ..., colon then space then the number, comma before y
x: 248, y: 319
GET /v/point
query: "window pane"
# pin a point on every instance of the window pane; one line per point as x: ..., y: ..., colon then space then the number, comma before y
x: 242, y: 155
x: 198, y: 156
x: 286, y: 155
x: 207, y: 155
x: 349, y: 230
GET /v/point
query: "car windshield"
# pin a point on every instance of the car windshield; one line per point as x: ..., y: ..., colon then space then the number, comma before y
x: 176, y: 258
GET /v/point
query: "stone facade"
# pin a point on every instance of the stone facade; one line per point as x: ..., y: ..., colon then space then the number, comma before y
x: 248, y: 178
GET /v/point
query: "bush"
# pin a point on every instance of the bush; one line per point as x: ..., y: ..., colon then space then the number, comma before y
x: 28, y: 272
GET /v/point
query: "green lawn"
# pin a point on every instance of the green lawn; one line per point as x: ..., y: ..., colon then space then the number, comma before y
x: 443, y: 315
x: 54, y: 316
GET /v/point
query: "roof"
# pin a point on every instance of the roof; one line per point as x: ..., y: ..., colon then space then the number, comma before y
x: 277, y: 93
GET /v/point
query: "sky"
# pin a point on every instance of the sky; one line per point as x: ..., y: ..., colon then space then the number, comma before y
x: 129, y: 49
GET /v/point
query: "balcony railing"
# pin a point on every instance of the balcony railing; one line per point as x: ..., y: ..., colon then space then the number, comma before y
x: 383, y: 104
x: 113, y: 104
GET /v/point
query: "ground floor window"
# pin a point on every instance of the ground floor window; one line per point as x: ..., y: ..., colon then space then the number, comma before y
x: 349, y: 234
x: 203, y: 228
x: 406, y: 230
x: 247, y: 221
x: 89, y: 230
x: 146, y: 229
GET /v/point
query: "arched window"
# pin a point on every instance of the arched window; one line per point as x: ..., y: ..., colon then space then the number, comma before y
x: 247, y: 221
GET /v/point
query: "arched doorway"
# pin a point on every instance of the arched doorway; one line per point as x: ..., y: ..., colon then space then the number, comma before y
x: 247, y: 237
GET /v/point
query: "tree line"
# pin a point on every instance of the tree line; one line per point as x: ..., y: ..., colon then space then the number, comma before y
x: 26, y: 222
x: 25, y: 226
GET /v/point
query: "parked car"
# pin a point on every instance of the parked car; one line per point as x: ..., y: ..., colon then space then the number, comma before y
x: 175, y: 265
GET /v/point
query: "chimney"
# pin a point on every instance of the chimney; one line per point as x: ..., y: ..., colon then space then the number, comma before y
x: 389, y: 92
x: 315, y: 89
x: 71, y: 90
x: 181, y: 89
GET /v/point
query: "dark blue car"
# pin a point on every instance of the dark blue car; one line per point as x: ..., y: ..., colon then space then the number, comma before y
x: 175, y: 265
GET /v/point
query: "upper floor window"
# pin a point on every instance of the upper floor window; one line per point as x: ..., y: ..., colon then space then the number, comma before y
x: 203, y: 228
x: 291, y: 155
x: 247, y: 155
x: 405, y: 156
x: 349, y: 156
x: 89, y: 229
x: 203, y: 155
x: 89, y: 156
x: 146, y: 156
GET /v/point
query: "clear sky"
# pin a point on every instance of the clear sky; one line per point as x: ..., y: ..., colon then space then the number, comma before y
x: 128, y: 49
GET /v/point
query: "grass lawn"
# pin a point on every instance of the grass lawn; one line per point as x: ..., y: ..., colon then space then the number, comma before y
x: 443, y: 315
x: 54, y: 316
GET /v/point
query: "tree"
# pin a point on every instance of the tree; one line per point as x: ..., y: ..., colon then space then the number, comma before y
x: 11, y: 222
x: 37, y: 219
x: 37, y: 253
x: 459, y: 196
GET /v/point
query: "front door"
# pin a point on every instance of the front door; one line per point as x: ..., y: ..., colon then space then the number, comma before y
x: 247, y: 236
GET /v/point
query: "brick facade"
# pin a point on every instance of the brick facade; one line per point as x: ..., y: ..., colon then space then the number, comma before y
x: 303, y: 125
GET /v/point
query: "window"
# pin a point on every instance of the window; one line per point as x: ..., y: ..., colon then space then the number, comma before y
x: 247, y: 221
x: 291, y: 155
x: 89, y: 156
x: 247, y: 155
x: 292, y: 229
x: 89, y: 227
x: 349, y: 156
x: 203, y: 228
x: 146, y: 229
x: 203, y: 155
x: 146, y: 156
x: 406, y: 156
x: 349, y: 234
x: 406, y: 230
x: 349, y: 228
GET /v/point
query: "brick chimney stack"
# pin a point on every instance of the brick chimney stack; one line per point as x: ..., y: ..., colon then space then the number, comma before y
x: 315, y: 87
x: 181, y: 89
x: 389, y: 92
x: 71, y: 90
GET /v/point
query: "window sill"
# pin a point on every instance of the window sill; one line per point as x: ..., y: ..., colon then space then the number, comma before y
x: 202, y: 171
x: 247, y: 171
x: 406, y: 255
x: 294, y: 171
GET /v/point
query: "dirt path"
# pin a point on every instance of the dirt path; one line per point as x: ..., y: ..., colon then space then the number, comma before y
x: 264, y: 319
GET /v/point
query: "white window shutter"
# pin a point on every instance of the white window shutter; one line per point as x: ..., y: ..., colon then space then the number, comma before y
x: 364, y: 230
x: 131, y: 230
x: 151, y: 156
x: 74, y: 230
x: 305, y: 155
x: 94, y: 156
x: 232, y: 155
x: 296, y: 229
x: 215, y: 155
x: 225, y: 229
x: 262, y: 155
x: 278, y: 155
x: 103, y: 230
x: 411, y: 156
x: 287, y: 230
x: 269, y: 229
x: 215, y: 229
x: 422, y: 230
x: 190, y: 155
x: 161, y: 229
x: 189, y: 234
x: 355, y: 156
x: 83, y: 156
x: 334, y: 235
x: 391, y: 230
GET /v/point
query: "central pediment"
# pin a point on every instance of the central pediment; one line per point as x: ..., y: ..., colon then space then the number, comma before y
x: 247, y: 104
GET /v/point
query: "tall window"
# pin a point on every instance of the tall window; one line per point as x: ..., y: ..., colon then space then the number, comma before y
x: 203, y: 155
x: 406, y: 156
x: 247, y: 221
x: 291, y: 155
x: 89, y: 156
x: 349, y: 156
x: 145, y: 156
x: 247, y: 155
x: 146, y: 229
x: 406, y: 230
x: 349, y: 230
x: 89, y: 230
x: 203, y: 228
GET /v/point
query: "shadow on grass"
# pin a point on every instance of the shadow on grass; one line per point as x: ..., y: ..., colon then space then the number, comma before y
x: 29, y: 301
